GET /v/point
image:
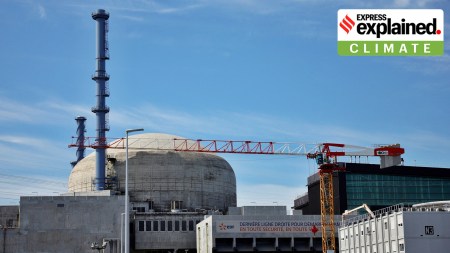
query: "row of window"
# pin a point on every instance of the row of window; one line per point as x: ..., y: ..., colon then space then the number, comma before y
x: 401, y: 248
x: 404, y: 181
x: 383, y: 190
x: 169, y: 225
x: 354, y: 199
x: 401, y: 189
x: 139, y: 209
x: 355, y: 202
x: 368, y: 230
x: 380, y: 177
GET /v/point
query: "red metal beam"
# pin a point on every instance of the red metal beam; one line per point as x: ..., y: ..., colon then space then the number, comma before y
x: 241, y: 147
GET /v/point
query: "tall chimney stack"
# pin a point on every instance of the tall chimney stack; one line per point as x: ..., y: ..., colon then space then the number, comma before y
x: 101, y: 110
x: 81, y: 129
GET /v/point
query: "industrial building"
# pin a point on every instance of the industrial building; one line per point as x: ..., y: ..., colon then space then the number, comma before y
x: 398, y: 229
x: 162, y: 181
x: 170, y: 192
x: 65, y: 224
x: 378, y: 188
x: 9, y: 216
x: 180, y: 202
x: 184, y: 201
x: 260, y: 228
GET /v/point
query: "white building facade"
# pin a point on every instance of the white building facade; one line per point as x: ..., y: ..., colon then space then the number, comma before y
x: 258, y: 228
x: 397, y: 229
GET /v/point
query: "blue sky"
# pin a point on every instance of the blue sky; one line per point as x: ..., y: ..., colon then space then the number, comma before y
x: 242, y: 70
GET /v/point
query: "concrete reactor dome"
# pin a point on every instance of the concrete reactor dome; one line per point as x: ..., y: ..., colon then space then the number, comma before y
x: 165, y: 180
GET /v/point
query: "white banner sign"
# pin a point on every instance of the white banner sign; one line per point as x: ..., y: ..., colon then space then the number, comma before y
x: 269, y: 226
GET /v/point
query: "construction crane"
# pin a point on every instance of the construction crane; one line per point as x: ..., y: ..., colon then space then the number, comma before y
x: 325, y: 154
x: 326, y: 158
x: 363, y: 206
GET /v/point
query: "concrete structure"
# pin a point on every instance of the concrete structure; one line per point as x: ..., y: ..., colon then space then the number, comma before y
x: 378, y: 188
x: 160, y: 181
x: 65, y: 224
x: 9, y: 216
x: 255, y: 228
x: 170, y: 192
x: 166, y: 232
x: 397, y: 229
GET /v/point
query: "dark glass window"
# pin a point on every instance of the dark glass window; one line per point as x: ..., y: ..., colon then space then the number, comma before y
x: 177, y: 225
x: 155, y: 225
x: 139, y: 209
x: 183, y: 225
x: 148, y: 225
x: 191, y: 225
x: 169, y: 225
x: 141, y: 225
x: 10, y: 223
x: 163, y: 225
x: 386, y: 190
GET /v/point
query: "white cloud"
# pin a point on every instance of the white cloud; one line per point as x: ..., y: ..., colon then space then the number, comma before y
x: 169, y: 10
x: 130, y: 17
x: 11, y: 110
x: 67, y: 108
x: 237, y: 124
x: 44, y: 163
x: 213, y: 124
x: 20, y: 151
x: 14, y: 186
x: 50, y: 112
x: 41, y: 10
x: 25, y: 141
x: 260, y: 127
x: 131, y: 9
x: 15, y: 111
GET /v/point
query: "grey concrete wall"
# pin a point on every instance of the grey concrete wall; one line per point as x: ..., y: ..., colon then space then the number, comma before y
x: 9, y: 216
x: 65, y: 224
x: 169, y: 239
x: 200, y: 181
x: 10, y: 240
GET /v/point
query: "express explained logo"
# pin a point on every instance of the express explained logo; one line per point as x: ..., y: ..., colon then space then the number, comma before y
x: 347, y: 24
x: 407, y: 32
x: 388, y: 27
